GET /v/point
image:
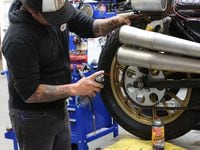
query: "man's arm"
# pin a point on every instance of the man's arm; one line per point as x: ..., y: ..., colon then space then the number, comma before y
x: 48, y: 93
x: 102, y: 27
x: 87, y: 27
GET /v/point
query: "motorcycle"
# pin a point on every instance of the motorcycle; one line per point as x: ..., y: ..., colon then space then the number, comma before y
x: 152, y: 68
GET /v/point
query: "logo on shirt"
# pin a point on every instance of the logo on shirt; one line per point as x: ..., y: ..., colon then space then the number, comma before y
x: 63, y: 27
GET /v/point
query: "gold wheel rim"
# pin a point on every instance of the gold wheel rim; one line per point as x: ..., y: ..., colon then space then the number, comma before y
x: 116, y: 81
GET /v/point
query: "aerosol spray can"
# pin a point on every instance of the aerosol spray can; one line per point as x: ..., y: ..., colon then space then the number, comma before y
x: 158, y: 135
x: 83, y: 101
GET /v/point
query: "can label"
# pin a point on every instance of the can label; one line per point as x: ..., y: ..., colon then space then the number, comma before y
x: 158, y: 135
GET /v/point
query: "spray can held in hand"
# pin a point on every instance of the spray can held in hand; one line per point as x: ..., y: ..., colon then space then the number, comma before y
x: 83, y: 101
x: 158, y: 135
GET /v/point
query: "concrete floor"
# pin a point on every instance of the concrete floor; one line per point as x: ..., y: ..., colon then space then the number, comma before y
x: 190, y: 141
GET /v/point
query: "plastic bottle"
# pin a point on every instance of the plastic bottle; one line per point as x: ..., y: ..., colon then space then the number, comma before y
x: 83, y: 101
x: 158, y: 135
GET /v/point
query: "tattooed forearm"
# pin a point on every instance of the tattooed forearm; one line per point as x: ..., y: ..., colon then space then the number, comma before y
x: 48, y: 93
x: 102, y: 27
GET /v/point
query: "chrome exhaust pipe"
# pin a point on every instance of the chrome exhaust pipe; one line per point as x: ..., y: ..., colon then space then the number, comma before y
x: 160, y: 61
x: 149, y: 5
x: 156, y: 41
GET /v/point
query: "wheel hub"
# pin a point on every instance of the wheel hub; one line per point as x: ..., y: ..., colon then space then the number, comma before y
x: 140, y: 95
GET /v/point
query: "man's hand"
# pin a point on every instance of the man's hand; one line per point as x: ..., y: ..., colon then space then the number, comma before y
x: 127, y: 18
x: 48, y: 93
x: 87, y: 85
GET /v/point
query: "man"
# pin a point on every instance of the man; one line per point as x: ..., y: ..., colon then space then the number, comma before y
x: 36, y: 49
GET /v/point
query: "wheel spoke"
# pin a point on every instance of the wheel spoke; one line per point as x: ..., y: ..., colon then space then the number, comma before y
x: 166, y: 105
x: 138, y: 111
x: 127, y: 101
x: 121, y: 67
x: 177, y: 99
x: 154, y: 115
x: 119, y: 83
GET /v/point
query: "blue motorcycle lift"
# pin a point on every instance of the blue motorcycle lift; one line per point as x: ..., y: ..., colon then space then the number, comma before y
x: 11, y: 135
x: 90, y: 122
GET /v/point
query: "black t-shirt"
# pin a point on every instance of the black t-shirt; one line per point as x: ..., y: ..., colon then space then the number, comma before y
x: 38, y: 54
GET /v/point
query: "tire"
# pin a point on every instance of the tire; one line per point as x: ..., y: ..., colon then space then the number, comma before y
x: 175, y: 126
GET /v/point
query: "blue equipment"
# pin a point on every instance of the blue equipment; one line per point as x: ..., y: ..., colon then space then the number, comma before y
x: 9, y: 134
x: 90, y: 122
x: 99, y: 10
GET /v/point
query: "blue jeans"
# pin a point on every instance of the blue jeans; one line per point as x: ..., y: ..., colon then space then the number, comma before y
x: 41, y: 130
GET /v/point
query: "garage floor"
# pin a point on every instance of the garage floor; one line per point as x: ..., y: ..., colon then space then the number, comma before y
x: 190, y: 141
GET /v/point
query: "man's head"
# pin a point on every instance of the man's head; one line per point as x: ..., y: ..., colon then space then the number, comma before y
x: 55, y: 12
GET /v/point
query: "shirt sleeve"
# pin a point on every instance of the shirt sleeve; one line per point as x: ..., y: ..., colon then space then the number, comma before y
x: 81, y: 24
x: 23, y: 63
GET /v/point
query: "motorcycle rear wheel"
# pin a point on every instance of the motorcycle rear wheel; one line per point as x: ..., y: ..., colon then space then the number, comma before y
x: 131, y: 117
